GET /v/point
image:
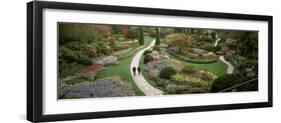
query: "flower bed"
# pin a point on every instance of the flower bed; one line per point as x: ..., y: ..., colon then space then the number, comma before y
x: 193, y: 59
x: 195, y: 81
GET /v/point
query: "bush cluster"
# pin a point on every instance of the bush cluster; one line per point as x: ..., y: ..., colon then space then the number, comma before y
x: 147, y: 58
x: 167, y: 72
x: 157, y: 48
x: 227, y: 81
x: 147, y: 52
x: 74, y: 56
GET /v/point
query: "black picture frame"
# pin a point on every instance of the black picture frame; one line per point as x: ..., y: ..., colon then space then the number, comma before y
x: 35, y: 69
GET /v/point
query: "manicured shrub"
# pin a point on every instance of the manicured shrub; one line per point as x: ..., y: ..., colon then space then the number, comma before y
x: 162, y: 82
x: 157, y: 36
x: 147, y: 58
x: 141, y: 36
x: 147, y: 52
x: 167, y: 72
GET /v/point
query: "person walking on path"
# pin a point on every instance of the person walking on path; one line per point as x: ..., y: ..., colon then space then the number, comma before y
x: 134, y: 70
x: 139, y: 70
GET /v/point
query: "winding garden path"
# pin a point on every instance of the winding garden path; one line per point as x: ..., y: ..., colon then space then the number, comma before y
x: 230, y: 67
x: 140, y: 81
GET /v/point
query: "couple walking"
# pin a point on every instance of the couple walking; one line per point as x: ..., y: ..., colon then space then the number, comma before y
x: 134, y: 70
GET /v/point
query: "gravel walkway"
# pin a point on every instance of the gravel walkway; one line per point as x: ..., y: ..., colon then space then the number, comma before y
x: 144, y: 86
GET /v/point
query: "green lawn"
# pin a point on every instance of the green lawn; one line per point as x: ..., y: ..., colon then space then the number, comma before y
x: 218, y: 68
x: 122, y: 69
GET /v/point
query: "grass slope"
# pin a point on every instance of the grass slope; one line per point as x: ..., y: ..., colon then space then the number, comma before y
x: 122, y: 69
x: 218, y: 68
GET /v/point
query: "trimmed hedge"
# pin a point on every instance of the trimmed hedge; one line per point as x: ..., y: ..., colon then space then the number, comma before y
x: 167, y: 72
x: 147, y: 58
x: 147, y: 52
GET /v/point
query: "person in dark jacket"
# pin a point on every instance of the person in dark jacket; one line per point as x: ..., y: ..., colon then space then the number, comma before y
x: 134, y: 70
x: 139, y: 70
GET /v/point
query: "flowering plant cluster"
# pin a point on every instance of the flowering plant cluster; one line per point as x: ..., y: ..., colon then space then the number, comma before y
x: 212, y: 75
x: 194, y: 80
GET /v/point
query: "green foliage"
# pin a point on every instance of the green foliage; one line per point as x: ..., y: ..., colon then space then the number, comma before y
x: 103, y: 48
x: 66, y: 69
x: 84, y: 60
x: 207, y: 46
x: 147, y: 58
x: 73, y: 56
x: 179, y: 40
x: 174, y: 63
x: 141, y: 36
x: 217, y: 48
x: 247, y: 67
x: 77, y: 46
x: 188, y: 69
x: 147, y: 52
x: 167, y: 72
x: 249, y: 45
x: 205, y: 38
x: 115, y: 29
x: 78, y: 32
x: 157, y: 48
x: 154, y: 76
x: 120, y: 37
x: 227, y: 81
x: 162, y: 82
x: 116, y: 47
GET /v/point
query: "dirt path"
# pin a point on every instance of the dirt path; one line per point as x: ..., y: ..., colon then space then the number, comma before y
x: 140, y: 81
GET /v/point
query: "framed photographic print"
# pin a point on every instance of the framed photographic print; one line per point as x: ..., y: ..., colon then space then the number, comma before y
x: 95, y: 61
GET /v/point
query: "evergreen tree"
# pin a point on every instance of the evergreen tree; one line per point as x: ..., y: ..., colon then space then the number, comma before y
x: 141, y: 36
x: 157, y: 36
